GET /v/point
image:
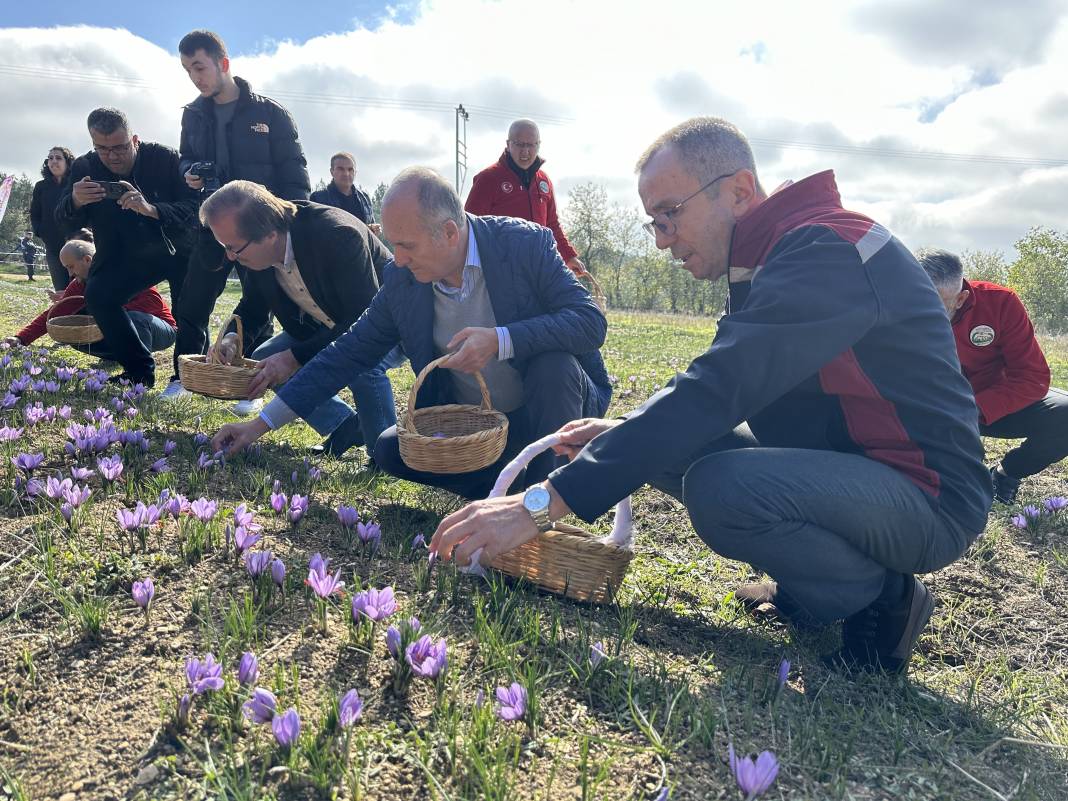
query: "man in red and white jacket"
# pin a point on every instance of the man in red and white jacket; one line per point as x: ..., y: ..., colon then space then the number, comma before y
x: 1002, y: 360
x: 149, y: 313
x: 516, y: 186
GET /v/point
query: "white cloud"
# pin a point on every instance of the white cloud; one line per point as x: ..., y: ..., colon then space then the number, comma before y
x: 903, y: 76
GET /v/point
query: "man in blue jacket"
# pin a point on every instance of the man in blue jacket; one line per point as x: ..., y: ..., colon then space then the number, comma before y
x: 492, y: 291
x: 861, y: 463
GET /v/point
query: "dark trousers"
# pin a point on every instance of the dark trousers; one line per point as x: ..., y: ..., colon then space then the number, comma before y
x: 111, y: 287
x: 556, y: 390
x: 154, y: 333
x: 829, y: 527
x: 29, y: 266
x: 1043, y: 426
x: 204, y: 282
x: 59, y: 274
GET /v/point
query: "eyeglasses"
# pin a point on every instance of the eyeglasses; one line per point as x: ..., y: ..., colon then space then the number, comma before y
x: 524, y: 145
x: 664, y: 222
x: 117, y: 150
x: 235, y: 251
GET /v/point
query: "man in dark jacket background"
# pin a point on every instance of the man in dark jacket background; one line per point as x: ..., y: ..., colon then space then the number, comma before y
x: 1002, y: 360
x: 342, y: 192
x: 245, y: 136
x: 29, y: 253
x: 491, y: 291
x: 142, y: 237
x: 861, y: 463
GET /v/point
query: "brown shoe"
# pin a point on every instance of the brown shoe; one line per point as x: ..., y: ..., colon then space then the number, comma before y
x: 882, y: 636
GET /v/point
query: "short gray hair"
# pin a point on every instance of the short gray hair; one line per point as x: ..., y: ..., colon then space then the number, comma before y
x: 79, y: 249
x: 945, y: 268
x: 256, y: 211
x: 708, y: 146
x: 523, y: 123
x: 438, y: 201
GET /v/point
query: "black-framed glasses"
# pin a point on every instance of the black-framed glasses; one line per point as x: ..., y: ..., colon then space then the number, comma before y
x: 664, y: 222
x: 118, y: 150
x: 233, y: 250
x: 524, y: 145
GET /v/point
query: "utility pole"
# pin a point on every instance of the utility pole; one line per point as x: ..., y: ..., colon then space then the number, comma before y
x: 461, y: 147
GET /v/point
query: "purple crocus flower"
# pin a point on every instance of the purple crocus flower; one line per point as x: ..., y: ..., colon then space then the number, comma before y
x: 323, y: 584
x: 248, y: 669
x: 418, y: 542
x: 753, y: 776
x: 662, y: 795
x: 597, y: 654
x: 513, y: 701
x: 185, y: 704
x: 67, y: 511
x: 394, y: 638
x: 349, y: 709
x: 131, y: 519
x: 347, y: 516
x: 243, y: 517
x: 784, y: 672
x: 1019, y: 521
x: 1055, y: 504
x: 27, y: 462
x: 54, y: 488
x: 298, y: 507
x: 77, y: 495
x: 110, y: 467
x: 81, y: 473
x: 175, y: 505
x: 317, y: 564
x: 278, y: 572
x: 260, y: 707
x: 203, y: 674
x: 375, y: 605
x: 199, y: 439
x: 244, y: 539
x: 9, y: 434
x: 64, y: 412
x: 426, y: 657
x: 143, y: 592
x: 169, y: 446
x: 256, y: 562
x: 286, y: 727
x: 203, y: 509
x: 160, y: 466
x: 480, y: 698
x: 369, y: 533
x: 1032, y: 512
x: 278, y: 501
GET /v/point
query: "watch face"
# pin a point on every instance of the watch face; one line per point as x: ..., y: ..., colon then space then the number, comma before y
x: 536, y: 499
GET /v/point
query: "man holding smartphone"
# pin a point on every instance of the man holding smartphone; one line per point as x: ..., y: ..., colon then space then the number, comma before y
x: 142, y: 215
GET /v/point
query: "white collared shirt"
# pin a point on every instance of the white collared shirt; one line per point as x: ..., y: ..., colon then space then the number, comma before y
x: 289, y: 279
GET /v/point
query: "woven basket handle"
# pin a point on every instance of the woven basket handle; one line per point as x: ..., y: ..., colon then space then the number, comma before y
x: 623, y: 525
x: 408, y: 423
x: 54, y: 306
x: 222, y: 333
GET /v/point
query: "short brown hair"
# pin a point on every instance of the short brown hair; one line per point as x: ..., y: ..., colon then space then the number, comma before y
x: 341, y: 154
x: 208, y: 41
x: 257, y: 211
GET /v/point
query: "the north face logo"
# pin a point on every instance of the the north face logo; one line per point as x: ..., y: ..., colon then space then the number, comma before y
x: 260, y: 127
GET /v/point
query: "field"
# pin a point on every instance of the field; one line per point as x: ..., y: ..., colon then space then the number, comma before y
x: 91, y: 686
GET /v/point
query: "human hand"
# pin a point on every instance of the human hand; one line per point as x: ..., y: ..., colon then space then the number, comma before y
x: 235, y: 437
x: 272, y: 371
x: 576, y: 266
x: 86, y: 191
x: 193, y: 181
x: 54, y: 296
x: 574, y: 436
x: 497, y: 525
x: 476, y: 347
x: 375, y: 228
x: 11, y: 342
x: 134, y: 201
x: 225, y: 352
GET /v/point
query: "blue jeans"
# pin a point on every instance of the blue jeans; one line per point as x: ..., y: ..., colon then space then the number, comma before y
x: 371, y: 390
x: 153, y: 332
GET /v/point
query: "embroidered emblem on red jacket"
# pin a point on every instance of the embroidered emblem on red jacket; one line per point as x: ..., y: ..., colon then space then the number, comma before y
x: 981, y: 336
x: 506, y: 186
x: 544, y: 187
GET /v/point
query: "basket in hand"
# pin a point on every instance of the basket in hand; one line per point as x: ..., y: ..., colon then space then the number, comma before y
x: 565, y: 559
x: 455, y: 438
x: 214, y: 379
x: 72, y: 329
x: 596, y: 292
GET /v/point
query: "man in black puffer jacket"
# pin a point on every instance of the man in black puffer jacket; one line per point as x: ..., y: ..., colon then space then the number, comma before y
x: 243, y: 136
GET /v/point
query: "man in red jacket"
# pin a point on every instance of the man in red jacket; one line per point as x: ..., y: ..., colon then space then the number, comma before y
x: 149, y: 313
x: 516, y: 186
x: 1002, y: 360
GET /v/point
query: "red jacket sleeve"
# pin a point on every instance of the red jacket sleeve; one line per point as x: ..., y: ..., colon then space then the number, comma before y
x: 37, y: 327
x: 566, y: 251
x: 1026, y: 376
x: 480, y: 198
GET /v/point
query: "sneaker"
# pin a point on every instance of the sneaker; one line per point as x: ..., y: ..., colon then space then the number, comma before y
x: 881, y: 637
x: 764, y: 601
x: 1005, y: 486
x: 247, y: 408
x: 174, y: 390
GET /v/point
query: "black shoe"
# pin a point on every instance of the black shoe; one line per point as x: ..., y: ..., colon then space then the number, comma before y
x: 148, y: 380
x: 764, y: 601
x: 880, y: 637
x: 1005, y: 486
x: 345, y: 436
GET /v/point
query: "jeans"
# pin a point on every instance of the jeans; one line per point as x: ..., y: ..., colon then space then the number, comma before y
x: 1044, y: 428
x: 829, y: 527
x: 154, y: 333
x: 371, y: 390
x: 556, y: 390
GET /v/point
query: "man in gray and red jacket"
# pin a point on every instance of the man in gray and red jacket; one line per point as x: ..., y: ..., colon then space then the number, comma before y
x: 860, y: 464
x: 1004, y: 364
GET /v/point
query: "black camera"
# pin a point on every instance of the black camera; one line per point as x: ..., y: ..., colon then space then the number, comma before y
x: 205, y: 171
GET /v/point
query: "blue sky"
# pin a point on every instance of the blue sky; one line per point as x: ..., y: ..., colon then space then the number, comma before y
x: 247, y: 27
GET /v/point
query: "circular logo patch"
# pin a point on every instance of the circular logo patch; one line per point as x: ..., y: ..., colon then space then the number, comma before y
x: 981, y: 336
x: 506, y: 186
x: 543, y: 186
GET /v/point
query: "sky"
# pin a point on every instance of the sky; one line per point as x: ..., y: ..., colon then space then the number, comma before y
x: 946, y: 120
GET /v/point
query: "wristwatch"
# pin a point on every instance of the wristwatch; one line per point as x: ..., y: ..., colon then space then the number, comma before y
x: 536, y: 502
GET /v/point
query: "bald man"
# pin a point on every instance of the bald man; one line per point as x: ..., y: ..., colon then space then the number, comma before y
x: 149, y: 312
x: 516, y: 186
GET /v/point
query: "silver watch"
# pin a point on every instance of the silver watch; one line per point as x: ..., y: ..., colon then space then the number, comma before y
x: 536, y: 502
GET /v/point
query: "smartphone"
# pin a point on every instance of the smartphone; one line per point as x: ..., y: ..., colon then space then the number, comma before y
x: 113, y: 190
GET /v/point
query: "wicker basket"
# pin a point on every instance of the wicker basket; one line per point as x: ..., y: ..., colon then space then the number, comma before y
x: 568, y: 560
x: 474, y: 436
x: 597, y: 293
x: 225, y: 381
x: 72, y: 329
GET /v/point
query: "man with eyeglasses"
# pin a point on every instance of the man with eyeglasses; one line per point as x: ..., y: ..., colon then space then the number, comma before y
x: 517, y: 186
x: 143, y: 235
x: 826, y: 437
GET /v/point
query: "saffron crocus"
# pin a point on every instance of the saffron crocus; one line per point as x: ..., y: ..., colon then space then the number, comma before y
x: 244, y: 517
x: 169, y: 446
x: 77, y: 495
x: 160, y: 466
x: 783, y: 672
x: 369, y: 533
x: 203, y: 674
x: 131, y: 519
x: 286, y: 727
x: 597, y: 654
x: 426, y: 657
x: 67, y: 511
x: 298, y: 507
x: 199, y: 439
x: 347, y: 516
x: 203, y: 509
x: 110, y: 467
x: 143, y: 592
x: 1055, y: 504
x: 185, y: 704
x: 753, y: 776
x: 1032, y: 512
x: 662, y: 795
x: 513, y: 701
x: 375, y: 605
x: 349, y: 709
x: 323, y: 584
x: 278, y: 501
x: 395, y: 637
x: 248, y: 669
x: 278, y: 572
x: 27, y: 462
x: 81, y: 473
x: 418, y: 542
x: 257, y: 562
x: 1019, y: 521
x: 55, y: 489
x: 244, y: 539
x: 260, y: 707
x: 9, y: 434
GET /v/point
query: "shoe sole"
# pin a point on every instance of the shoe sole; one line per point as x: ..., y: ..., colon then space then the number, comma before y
x: 920, y: 613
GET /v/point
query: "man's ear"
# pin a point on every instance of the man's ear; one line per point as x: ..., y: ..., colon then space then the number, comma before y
x: 135, y: 139
x: 452, y: 231
x: 963, y: 297
x: 224, y: 64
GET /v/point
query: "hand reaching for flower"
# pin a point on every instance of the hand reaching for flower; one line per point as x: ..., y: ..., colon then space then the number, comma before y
x: 235, y: 437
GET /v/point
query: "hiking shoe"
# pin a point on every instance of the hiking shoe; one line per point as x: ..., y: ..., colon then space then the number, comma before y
x: 880, y: 637
x: 764, y: 601
x: 247, y: 408
x: 1005, y: 486
x: 173, y: 391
